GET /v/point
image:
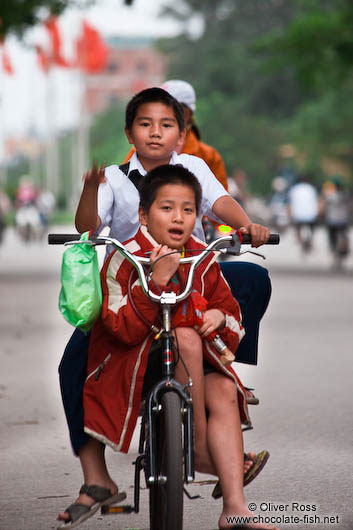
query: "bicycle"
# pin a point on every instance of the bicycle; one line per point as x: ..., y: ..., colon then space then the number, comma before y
x: 166, y: 438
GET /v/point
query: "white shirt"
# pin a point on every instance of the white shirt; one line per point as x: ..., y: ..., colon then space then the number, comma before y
x: 118, y: 198
x: 303, y: 201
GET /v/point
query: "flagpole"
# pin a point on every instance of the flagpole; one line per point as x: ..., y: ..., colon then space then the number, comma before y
x: 82, y: 135
x: 3, y: 167
x: 56, y: 58
x: 92, y: 56
x: 3, y: 162
x: 51, y: 158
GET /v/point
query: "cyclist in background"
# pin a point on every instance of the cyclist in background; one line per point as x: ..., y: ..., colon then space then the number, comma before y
x: 304, y: 208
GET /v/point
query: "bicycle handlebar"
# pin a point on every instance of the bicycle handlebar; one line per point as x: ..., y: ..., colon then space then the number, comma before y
x: 61, y: 239
x: 229, y: 243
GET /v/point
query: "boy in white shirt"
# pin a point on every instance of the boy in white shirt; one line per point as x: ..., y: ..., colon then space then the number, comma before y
x: 155, y: 125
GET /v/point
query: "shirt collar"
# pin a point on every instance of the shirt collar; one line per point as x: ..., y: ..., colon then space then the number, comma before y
x: 136, y: 164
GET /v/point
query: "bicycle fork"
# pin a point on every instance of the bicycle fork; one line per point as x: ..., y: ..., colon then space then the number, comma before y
x: 154, y: 407
x: 147, y: 460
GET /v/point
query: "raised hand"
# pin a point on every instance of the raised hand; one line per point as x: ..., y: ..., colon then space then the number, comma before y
x: 95, y: 176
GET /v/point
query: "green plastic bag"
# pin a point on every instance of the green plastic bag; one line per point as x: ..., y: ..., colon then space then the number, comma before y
x: 80, y: 298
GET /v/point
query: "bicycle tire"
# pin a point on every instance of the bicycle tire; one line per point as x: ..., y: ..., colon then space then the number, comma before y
x: 166, y: 500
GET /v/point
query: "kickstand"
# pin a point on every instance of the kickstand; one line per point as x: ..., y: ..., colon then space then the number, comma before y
x: 192, y: 497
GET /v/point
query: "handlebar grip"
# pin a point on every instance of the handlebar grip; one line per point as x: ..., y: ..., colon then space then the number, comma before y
x: 60, y: 239
x: 273, y: 239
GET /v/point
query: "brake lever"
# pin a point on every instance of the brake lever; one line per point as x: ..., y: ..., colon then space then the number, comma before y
x: 233, y: 248
x: 237, y: 252
x: 253, y: 252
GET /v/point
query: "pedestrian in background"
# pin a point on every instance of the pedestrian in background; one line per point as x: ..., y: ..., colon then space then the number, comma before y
x: 334, y: 206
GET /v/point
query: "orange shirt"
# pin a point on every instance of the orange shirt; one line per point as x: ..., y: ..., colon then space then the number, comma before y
x: 193, y: 146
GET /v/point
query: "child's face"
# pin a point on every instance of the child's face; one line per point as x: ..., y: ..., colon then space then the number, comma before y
x: 155, y: 134
x: 171, y: 218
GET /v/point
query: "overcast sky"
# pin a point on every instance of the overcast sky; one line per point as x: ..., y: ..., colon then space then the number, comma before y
x: 24, y: 103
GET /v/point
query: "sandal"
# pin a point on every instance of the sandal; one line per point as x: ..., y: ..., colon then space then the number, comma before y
x: 259, y: 463
x: 81, y: 512
x: 251, y: 399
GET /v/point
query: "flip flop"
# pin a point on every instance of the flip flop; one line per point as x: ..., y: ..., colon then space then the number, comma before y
x: 259, y: 463
x: 251, y: 399
x: 80, y: 512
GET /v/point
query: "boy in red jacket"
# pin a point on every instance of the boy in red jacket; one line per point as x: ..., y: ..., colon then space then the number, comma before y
x: 120, y: 355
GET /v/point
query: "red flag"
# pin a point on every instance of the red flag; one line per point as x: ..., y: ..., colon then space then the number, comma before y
x: 92, y: 52
x: 52, y: 26
x: 43, y: 59
x: 6, y: 62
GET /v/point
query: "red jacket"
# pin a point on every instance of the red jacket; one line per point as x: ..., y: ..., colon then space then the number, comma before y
x: 120, y: 342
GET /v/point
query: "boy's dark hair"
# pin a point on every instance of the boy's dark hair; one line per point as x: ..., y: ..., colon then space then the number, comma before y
x: 153, y: 95
x: 167, y: 174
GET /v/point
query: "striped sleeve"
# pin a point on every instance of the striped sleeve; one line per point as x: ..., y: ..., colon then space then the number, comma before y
x: 118, y: 314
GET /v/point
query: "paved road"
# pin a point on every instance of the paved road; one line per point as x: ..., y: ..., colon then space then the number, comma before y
x: 303, y: 379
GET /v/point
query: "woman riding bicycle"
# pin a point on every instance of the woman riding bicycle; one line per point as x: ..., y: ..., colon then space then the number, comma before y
x: 123, y: 346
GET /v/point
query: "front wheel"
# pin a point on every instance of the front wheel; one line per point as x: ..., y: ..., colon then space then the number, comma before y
x: 166, y: 497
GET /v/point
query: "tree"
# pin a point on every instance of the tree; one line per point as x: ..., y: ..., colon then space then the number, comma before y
x: 268, y: 72
x: 318, y: 44
x: 107, y: 138
x: 18, y: 15
x: 240, y: 108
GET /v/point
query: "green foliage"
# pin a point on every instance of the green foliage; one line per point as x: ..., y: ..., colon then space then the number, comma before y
x: 18, y: 15
x: 325, y: 125
x: 318, y: 43
x: 268, y: 73
x: 62, y: 217
x: 249, y: 144
x: 108, y: 141
x: 240, y: 108
x: 15, y: 171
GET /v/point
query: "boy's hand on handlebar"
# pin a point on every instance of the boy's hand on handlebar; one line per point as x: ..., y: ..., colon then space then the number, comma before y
x: 165, y: 268
x: 95, y: 176
x: 212, y: 319
x: 259, y: 234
